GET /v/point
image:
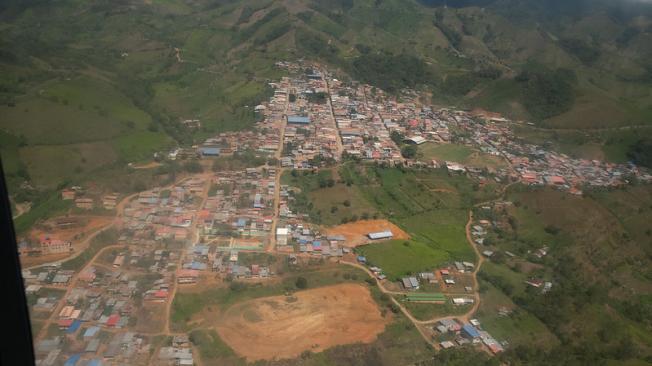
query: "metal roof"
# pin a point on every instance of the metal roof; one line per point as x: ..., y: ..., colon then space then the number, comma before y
x: 381, y: 235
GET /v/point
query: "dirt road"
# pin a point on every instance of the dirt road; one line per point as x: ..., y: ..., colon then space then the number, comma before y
x: 277, y: 184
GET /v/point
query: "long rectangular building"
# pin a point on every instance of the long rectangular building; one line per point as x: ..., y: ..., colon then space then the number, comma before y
x: 381, y: 235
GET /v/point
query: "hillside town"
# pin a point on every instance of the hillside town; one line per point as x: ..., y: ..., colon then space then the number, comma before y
x: 114, y: 308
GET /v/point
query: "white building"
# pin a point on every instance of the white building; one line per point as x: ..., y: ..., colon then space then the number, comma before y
x: 282, y: 236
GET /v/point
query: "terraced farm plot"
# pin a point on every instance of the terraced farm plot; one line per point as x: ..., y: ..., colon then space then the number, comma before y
x: 311, y: 320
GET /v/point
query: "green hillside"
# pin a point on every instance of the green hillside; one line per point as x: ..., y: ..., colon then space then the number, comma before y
x: 114, y: 69
x: 86, y: 85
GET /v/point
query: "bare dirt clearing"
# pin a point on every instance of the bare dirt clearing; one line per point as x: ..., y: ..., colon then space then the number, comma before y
x: 79, y: 229
x: 356, y: 232
x: 284, y: 327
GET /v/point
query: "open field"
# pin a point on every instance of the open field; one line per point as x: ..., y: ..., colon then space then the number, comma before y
x: 340, y: 202
x: 356, y: 232
x: 426, y: 311
x: 458, y: 153
x: 193, y: 309
x: 284, y: 327
x: 398, y: 258
x: 333, y: 202
x: 451, y: 152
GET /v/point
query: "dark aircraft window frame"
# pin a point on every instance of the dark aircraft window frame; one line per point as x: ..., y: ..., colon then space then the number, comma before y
x: 16, y: 347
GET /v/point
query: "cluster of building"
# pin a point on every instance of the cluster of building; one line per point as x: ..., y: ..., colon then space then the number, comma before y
x: 536, y: 165
x: 179, y: 353
x: 85, y: 202
x: 296, y: 236
x: 364, y: 123
x: 459, y: 334
x: 240, y: 204
x: 163, y: 214
x: 310, y: 136
x: 93, y: 315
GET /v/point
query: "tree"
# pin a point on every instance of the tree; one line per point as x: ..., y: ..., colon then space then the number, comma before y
x: 193, y: 166
x: 409, y: 151
x: 301, y: 283
x: 397, y: 137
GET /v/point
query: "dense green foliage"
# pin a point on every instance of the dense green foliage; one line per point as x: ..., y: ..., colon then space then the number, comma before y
x: 547, y: 93
x: 583, y: 51
x: 641, y: 152
x: 392, y: 72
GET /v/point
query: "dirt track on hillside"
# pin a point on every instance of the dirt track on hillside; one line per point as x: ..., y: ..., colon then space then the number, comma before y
x: 356, y: 232
x: 284, y: 327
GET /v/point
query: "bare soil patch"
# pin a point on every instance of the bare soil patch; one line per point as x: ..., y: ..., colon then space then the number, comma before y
x: 76, y: 233
x: 356, y: 232
x: 284, y: 327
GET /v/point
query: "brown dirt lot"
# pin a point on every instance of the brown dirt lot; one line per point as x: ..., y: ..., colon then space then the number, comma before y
x: 76, y: 234
x: 356, y: 232
x: 282, y: 327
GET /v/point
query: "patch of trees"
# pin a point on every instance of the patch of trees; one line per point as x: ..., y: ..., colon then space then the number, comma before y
x: 459, y: 85
x: 641, y: 152
x: 301, y: 283
x: 628, y: 34
x: 409, y: 151
x: 585, y: 52
x: 193, y: 166
x: 246, y: 33
x: 315, y: 45
x: 392, y: 72
x: 547, y: 93
x: 318, y: 98
x: 273, y: 34
x: 245, y: 14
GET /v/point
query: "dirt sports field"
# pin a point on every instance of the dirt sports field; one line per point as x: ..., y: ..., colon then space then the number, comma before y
x: 356, y: 232
x: 282, y: 327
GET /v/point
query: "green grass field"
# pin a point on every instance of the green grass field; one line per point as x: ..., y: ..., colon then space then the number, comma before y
x: 452, y: 152
x: 442, y: 229
x: 398, y: 259
x: 458, y: 153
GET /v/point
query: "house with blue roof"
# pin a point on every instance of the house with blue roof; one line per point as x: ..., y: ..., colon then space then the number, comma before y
x: 72, y: 361
x: 299, y: 120
x: 91, y: 332
x: 470, y: 331
x: 73, y: 327
x: 209, y: 151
